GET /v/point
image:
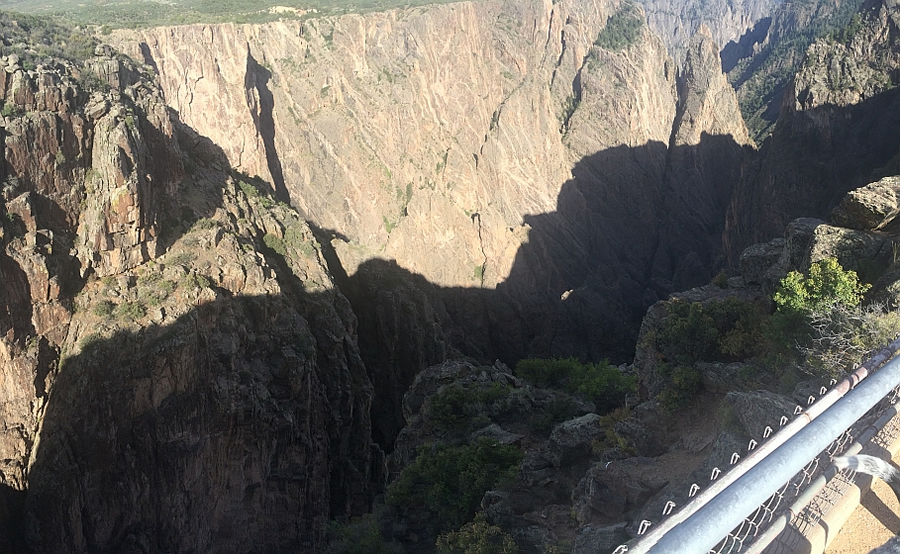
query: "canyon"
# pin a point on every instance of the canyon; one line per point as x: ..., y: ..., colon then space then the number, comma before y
x: 228, y: 258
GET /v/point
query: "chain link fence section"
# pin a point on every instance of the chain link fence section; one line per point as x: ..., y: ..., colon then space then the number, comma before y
x: 825, y: 487
x: 837, y: 486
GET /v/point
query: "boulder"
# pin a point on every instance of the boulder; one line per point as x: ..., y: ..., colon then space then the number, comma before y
x: 754, y: 410
x: 608, y: 492
x: 572, y: 439
x: 756, y: 260
x: 871, y: 207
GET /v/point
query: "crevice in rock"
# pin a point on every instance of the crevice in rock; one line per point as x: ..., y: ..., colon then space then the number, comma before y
x: 148, y: 56
x: 476, y: 219
x: 257, y: 77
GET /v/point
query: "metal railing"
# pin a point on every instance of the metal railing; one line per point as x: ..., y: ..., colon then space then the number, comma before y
x: 767, y: 501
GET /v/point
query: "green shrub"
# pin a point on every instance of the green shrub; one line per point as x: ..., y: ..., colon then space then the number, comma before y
x: 684, y: 384
x: 205, y: 223
x: 195, y: 281
x: 477, y: 537
x: 826, y: 285
x: 622, y: 28
x: 181, y: 258
x: 10, y: 110
x: 154, y: 290
x: 602, y: 383
x: 556, y: 411
x: 546, y: 372
x: 611, y: 438
x: 359, y: 536
x: 133, y: 310
x: 464, y: 408
x: 275, y: 243
x: 252, y: 191
x: 104, y: 308
x: 724, y: 331
x: 721, y: 279
x: 448, y: 482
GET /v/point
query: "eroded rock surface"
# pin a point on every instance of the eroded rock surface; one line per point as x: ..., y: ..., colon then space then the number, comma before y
x: 178, y: 370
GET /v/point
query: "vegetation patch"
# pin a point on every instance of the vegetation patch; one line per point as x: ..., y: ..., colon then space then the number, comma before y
x: 275, y: 243
x: 10, y: 109
x: 254, y: 192
x: 558, y: 410
x: 460, y: 408
x: 195, y: 281
x: 153, y: 289
x: 826, y: 285
x: 104, y: 308
x: 718, y: 331
x: 446, y: 483
x: 38, y: 40
x: 622, y: 28
x: 477, y: 537
x: 602, y: 383
x: 611, y: 438
x: 131, y: 310
x: 820, y: 318
x: 358, y: 536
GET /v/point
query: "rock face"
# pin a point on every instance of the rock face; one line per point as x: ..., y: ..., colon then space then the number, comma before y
x: 486, y: 146
x: 728, y: 21
x: 835, y: 131
x: 763, y: 62
x: 178, y: 370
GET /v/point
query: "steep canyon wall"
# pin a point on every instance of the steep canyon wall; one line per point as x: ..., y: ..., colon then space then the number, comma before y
x: 141, y: 408
x: 532, y: 178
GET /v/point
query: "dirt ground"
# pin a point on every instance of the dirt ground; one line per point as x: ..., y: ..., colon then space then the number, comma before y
x: 873, y: 522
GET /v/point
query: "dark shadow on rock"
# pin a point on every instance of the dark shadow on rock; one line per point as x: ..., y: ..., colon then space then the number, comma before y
x: 257, y: 78
x: 812, y: 159
x: 15, y: 300
x: 12, y: 502
x: 234, y: 428
x: 734, y: 52
x: 632, y: 226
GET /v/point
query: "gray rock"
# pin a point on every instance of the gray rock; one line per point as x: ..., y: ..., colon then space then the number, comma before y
x: 599, y: 539
x: 497, y: 433
x: 870, y: 207
x: 756, y: 260
x: 572, y: 439
x: 755, y: 410
x: 719, y: 377
x: 645, y: 429
x: 608, y: 492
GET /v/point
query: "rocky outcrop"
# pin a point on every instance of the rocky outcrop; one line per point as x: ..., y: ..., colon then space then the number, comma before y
x: 178, y: 370
x: 835, y: 132
x: 242, y: 367
x: 763, y: 62
x: 871, y: 208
